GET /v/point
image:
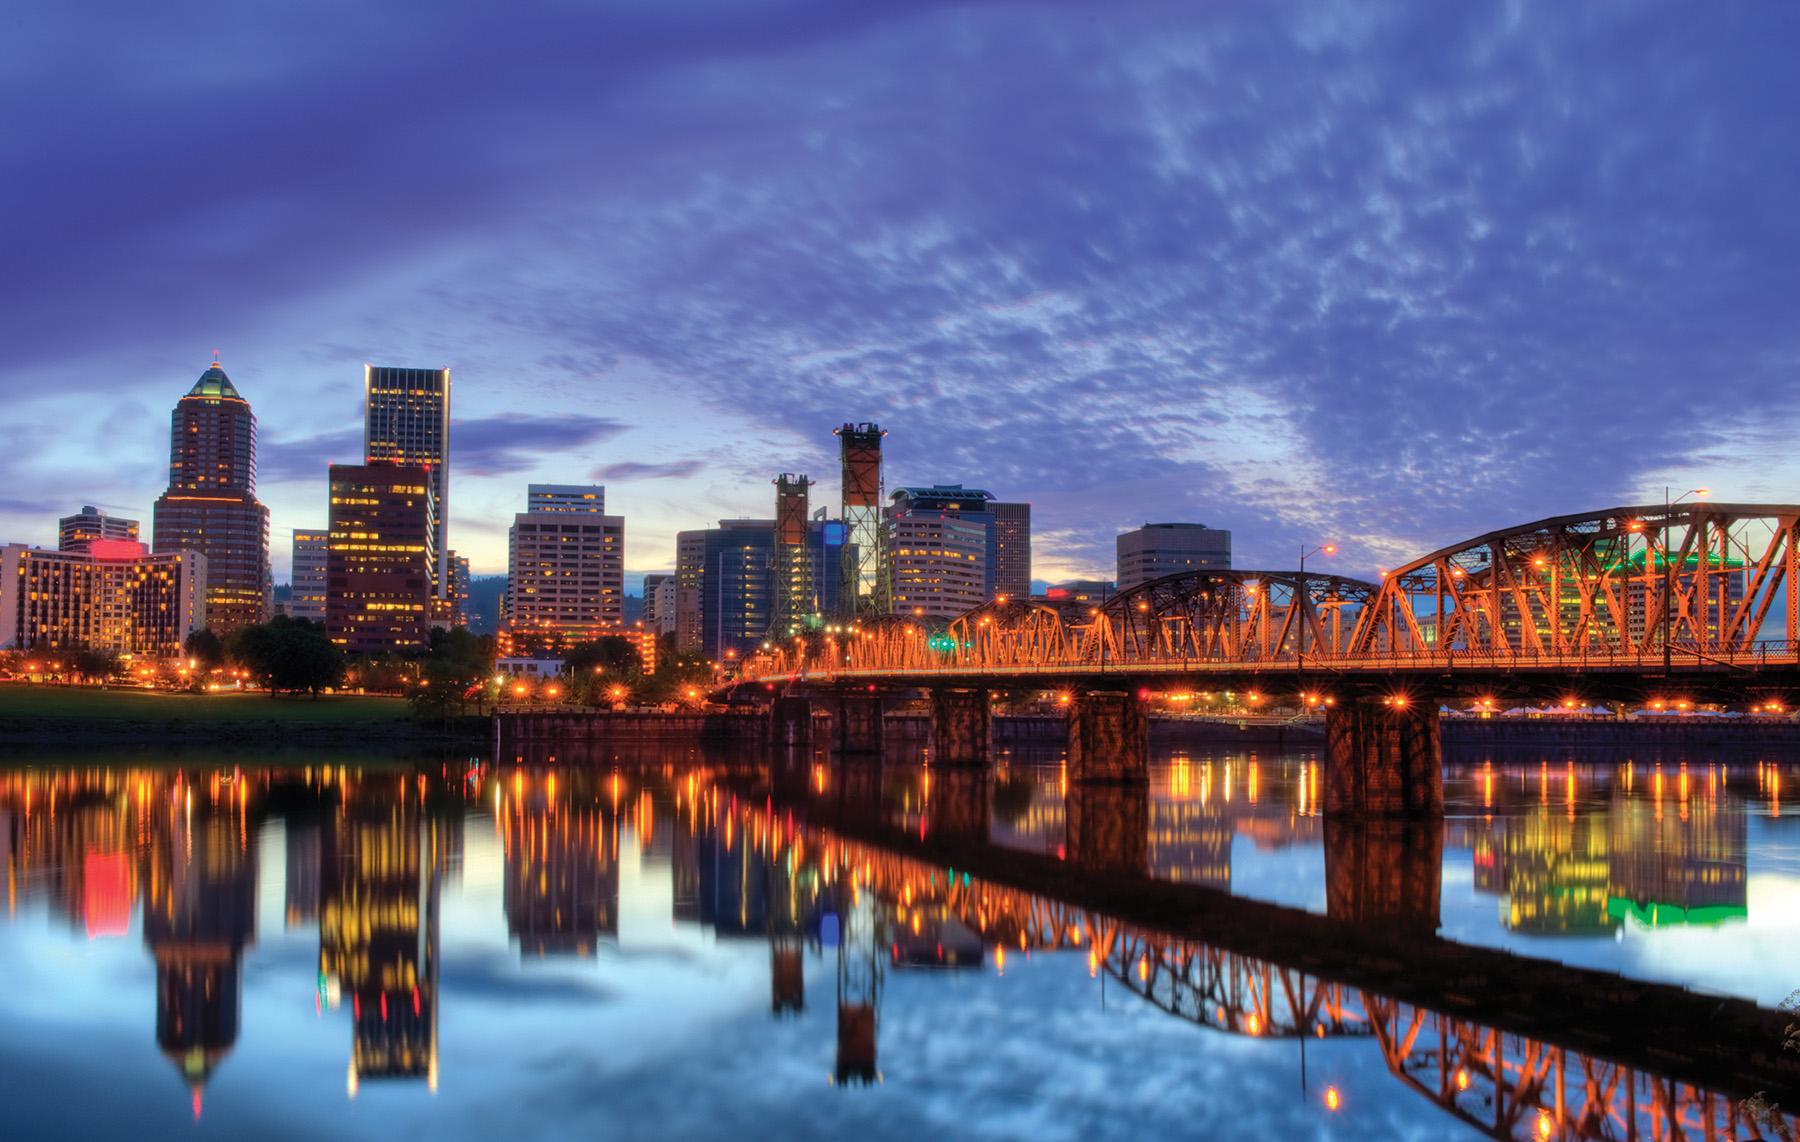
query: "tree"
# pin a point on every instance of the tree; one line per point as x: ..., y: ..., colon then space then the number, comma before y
x: 611, y: 654
x: 454, y: 673
x: 288, y: 654
x: 206, y: 648
x: 90, y: 663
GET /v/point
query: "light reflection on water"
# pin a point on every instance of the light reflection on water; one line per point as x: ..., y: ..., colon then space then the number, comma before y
x: 664, y: 951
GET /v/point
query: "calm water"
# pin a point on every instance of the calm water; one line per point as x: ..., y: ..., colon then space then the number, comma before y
x: 683, y: 946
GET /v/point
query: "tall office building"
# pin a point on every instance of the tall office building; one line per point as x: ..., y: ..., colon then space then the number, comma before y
x: 1159, y: 549
x: 310, y: 557
x: 459, y: 589
x: 659, y: 602
x: 565, y: 568
x: 736, y: 572
x: 379, y: 556
x: 407, y: 421
x: 114, y: 596
x: 1010, y: 561
x: 690, y: 567
x: 211, y: 506
x: 1007, y: 527
x: 76, y: 532
x: 939, y: 564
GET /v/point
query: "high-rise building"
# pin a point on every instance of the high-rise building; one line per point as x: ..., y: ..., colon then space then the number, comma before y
x: 407, y: 421
x: 690, y: 567
x: 1010, y: 562
x: 311, y: 556
x: 566, y: 570
x: 659, y: 602
x: 379, y: 557
x: 939, y: 564
x: 211, y: 505
x: 75, y: 532
x: 589, y: 498
x: 459, y: 589
x: 1007, y: 526
x: 114, y: 596
x: 1158, y: 549
x: 735, y: 579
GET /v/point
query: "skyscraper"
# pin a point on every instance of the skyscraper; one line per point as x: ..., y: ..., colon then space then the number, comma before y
x: 211, y: 505
x: 1159, y: 549
x: 566, y: 569
x: 379, y: 557
x: 76, y: 532
x: 311, y: 558
x: 407, y: 421
x: 735, y: 577
x: 690, y: 570
x: 1006, y: 525
x: 939, y: 564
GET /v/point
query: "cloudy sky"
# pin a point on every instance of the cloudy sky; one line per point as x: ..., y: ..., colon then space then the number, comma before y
x: 1390, y: 275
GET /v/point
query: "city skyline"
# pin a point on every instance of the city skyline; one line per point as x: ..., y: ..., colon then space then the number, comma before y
x: 1288, y: 274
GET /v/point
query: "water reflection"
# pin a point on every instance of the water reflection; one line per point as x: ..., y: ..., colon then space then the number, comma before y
x: 844, y: 866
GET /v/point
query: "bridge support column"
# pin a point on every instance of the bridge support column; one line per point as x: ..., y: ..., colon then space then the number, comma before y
x: 858, y: 723
x: 1383, y: 761
x: 1385, y: 873
x: 790, y: 721
x: 961, y: 727
x: 1109, y: 738
x: 1106, y: 827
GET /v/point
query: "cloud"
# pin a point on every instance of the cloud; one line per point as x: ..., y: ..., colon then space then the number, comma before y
x: 634, y: 470
x: 489, y: 446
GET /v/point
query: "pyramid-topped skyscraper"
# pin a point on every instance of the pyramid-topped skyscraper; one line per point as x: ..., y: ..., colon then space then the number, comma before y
x: 211, y: 505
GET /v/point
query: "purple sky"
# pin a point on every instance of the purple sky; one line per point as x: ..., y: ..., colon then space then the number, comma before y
x: 1386, y: 274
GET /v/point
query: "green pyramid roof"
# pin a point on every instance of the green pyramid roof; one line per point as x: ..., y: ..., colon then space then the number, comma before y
x: 214, y: 383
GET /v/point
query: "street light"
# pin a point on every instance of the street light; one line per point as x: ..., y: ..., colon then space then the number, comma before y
x: 1669, y: 570
x: 1301, y: 598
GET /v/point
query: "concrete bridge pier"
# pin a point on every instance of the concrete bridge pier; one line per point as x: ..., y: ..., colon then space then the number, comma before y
x: 1109, y: 738
x: 1106, y: 827
x: 790, y: 721
x: 858, y: 723
x: 962, y: 727
x: 1383, y: 759
x: 1385, y: 874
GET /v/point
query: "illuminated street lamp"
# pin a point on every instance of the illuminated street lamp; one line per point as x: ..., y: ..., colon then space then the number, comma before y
x: 1669, y: 569
x: 1302, y: 599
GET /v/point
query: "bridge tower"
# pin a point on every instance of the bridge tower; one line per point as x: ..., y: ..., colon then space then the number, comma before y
x: 866, y: 582
x: 792, y: 561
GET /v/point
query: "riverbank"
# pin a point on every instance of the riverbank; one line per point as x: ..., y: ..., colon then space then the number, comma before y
x: 38, y: 716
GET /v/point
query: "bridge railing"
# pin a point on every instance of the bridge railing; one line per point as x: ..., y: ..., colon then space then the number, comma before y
x: 1687, y: 658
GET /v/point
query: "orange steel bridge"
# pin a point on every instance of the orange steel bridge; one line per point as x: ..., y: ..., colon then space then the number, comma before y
x: 1703, y: 596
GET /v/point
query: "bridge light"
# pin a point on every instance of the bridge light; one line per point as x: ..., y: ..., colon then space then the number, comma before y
x: 1635, y: 525
x: 1253, y: 1025
x: 1544, y: 1125
x: 1399, y: 701
x: 1333, y: 1100
x: 1462, y: 1078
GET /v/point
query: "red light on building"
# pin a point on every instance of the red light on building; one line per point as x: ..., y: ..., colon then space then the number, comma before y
x: 117, y: 549
x: 106, y: 894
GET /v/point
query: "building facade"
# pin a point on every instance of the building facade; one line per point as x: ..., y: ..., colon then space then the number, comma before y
x: 690, y: 567
x: 407, y: 422
x: 76, y: 532
x: 659, y: 602
x: 1158, y: 549
x: 1010, y: 560
x: 565, y: 569
x: 939, y: 564
x: 736, y: 580
x: 379, y: 557
x: 308, y: 578
x: 116, y: 596
x: 211, y: 507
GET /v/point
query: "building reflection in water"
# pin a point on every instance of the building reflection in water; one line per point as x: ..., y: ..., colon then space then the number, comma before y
x: 1582, y: 850
x: 1570, y: 851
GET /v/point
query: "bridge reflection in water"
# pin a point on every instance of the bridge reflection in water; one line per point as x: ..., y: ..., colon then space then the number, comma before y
x: 886, y: 867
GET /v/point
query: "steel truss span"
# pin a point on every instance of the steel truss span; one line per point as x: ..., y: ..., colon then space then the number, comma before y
x: 1634, y: 589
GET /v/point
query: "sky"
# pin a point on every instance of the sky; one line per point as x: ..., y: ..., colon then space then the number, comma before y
x: 1384, y: 275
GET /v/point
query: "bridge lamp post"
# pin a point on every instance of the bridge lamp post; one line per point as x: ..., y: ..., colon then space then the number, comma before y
x: 1304, y: 594
x: 1669, y: 570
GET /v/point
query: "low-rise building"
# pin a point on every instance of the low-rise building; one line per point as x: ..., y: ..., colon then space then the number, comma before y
x: 114, y: 596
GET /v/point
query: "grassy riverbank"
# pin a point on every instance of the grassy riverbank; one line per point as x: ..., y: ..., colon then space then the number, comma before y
x: 49, y: 715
